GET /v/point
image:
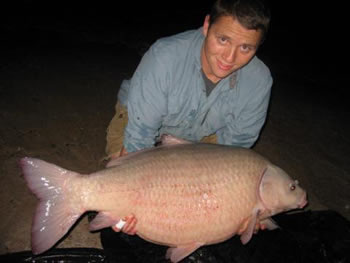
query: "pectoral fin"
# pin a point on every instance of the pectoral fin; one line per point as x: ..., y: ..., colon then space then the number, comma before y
x: 269, y: 223
x: 102, y: 220
x: 175, y: 254
x: 248, y: 232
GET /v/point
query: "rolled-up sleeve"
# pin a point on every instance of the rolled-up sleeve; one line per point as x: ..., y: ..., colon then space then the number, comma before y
x: 243, y: 130
x: 146, y: 102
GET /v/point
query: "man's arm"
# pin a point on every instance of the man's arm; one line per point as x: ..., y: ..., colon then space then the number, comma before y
x: 244, y: 130
x: 146, y: 102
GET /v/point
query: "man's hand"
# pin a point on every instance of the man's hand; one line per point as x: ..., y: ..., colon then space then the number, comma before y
x: 117, y: 155
x: 126, y: 225
x: 258, y: 226
x: 123, y: 152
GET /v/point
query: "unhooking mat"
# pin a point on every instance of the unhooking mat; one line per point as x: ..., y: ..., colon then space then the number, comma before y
x: 306, y: 237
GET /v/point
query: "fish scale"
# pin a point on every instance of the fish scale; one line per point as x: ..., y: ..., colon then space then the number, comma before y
x: 149, y: 226
x: 183, y: 195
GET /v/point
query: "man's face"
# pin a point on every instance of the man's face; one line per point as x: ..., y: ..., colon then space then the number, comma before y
x: 227, y: 47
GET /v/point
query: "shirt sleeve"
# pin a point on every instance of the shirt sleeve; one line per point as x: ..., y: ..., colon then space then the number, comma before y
x: 146, y: 102
x: 243, y: 130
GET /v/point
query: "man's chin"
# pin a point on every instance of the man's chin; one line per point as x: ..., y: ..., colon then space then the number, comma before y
x: 223, y: 74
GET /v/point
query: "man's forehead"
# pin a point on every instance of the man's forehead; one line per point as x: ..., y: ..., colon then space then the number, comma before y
x: 230, y: 27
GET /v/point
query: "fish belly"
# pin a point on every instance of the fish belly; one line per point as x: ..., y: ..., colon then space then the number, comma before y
x: 184, y: 193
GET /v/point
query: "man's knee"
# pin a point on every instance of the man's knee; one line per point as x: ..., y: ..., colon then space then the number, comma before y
x: 209, y: 139
x: 115, y: 130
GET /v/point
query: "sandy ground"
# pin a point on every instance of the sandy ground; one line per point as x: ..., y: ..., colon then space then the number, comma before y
x: 56, y: 102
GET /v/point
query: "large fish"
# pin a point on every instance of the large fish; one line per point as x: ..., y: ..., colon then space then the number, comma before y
x: 183, y: 195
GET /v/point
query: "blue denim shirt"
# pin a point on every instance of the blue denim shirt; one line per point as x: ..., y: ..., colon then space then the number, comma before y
x: 167, y: 94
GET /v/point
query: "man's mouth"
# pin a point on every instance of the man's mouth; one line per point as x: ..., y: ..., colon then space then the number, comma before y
x: 223, y: 66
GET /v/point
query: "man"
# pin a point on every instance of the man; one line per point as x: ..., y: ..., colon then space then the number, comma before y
x: 200, y: 85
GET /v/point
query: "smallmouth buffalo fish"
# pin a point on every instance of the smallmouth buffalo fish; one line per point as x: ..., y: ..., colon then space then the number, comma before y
x: 183, y: 195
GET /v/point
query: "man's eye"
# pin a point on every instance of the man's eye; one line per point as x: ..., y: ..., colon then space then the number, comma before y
x: 246, y: 48
x: 222, y: 40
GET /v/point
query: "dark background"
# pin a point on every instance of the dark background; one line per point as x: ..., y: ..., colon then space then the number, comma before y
x: 62, y: 62
x: 305, y: 46
x: 307, y: 39
x: 302, y: 32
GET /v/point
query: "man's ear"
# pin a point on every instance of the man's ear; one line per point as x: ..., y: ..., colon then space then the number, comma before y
x: 206, y: 25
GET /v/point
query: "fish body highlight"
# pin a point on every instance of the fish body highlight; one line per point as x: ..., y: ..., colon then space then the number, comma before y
x: 183, y: 195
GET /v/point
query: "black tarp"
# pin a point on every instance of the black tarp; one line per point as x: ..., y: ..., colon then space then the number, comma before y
x: 307, y: 237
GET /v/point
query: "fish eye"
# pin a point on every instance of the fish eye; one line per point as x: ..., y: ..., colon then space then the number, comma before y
x: 292, y: 187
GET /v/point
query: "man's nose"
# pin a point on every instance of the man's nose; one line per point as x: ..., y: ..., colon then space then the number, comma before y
x: 230, y: 54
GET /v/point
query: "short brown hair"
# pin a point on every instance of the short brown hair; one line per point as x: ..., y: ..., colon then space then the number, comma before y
x: 252, y: 14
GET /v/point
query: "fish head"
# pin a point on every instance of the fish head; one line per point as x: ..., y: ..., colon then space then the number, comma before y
x: 278, y: 192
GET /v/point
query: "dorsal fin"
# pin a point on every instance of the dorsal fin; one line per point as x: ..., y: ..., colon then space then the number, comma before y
x: 121, y: 159
x: 167, y: 139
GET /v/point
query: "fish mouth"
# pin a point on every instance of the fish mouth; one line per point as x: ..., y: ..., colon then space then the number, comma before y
x: 303, y: 203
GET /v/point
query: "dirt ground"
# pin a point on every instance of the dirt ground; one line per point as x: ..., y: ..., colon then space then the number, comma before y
x: 56, y: 102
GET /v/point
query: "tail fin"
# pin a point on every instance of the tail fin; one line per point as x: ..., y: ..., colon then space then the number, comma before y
x: 54, y: 216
